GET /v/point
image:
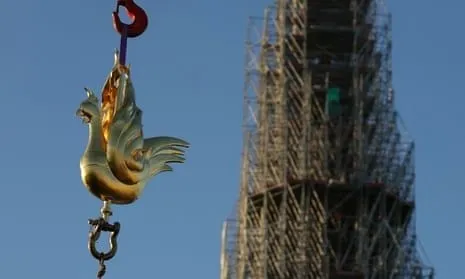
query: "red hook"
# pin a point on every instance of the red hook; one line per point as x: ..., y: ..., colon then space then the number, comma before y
x: 138, y: 16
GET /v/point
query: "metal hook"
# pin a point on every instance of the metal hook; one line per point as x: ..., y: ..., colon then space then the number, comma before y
x: 136, y: 13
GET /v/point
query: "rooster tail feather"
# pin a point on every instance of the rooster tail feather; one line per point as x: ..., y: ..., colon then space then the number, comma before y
x: 159, y: 169
x: 164, y: 151
x: 159, y: 143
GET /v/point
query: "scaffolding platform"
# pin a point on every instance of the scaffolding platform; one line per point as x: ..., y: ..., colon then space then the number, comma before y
x: 344, y: 200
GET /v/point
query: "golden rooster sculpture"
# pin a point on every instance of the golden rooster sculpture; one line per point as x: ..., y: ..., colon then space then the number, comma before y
x: 118, y: 162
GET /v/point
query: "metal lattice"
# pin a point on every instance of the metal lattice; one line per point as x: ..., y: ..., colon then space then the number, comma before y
x: 327, y: 187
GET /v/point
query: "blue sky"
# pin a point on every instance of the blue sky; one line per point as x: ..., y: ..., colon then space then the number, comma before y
x: 188, y: 74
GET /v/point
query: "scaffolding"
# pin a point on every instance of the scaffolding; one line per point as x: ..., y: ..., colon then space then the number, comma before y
x: 327, y: 186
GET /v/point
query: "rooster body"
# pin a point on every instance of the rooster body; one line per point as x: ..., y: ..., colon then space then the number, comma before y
x: 118, y: 162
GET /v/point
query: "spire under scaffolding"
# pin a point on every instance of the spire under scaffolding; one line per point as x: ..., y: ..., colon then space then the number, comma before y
x: 327, y: 186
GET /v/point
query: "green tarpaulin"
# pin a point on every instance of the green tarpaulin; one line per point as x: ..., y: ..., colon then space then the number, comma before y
x: 333, y: 97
